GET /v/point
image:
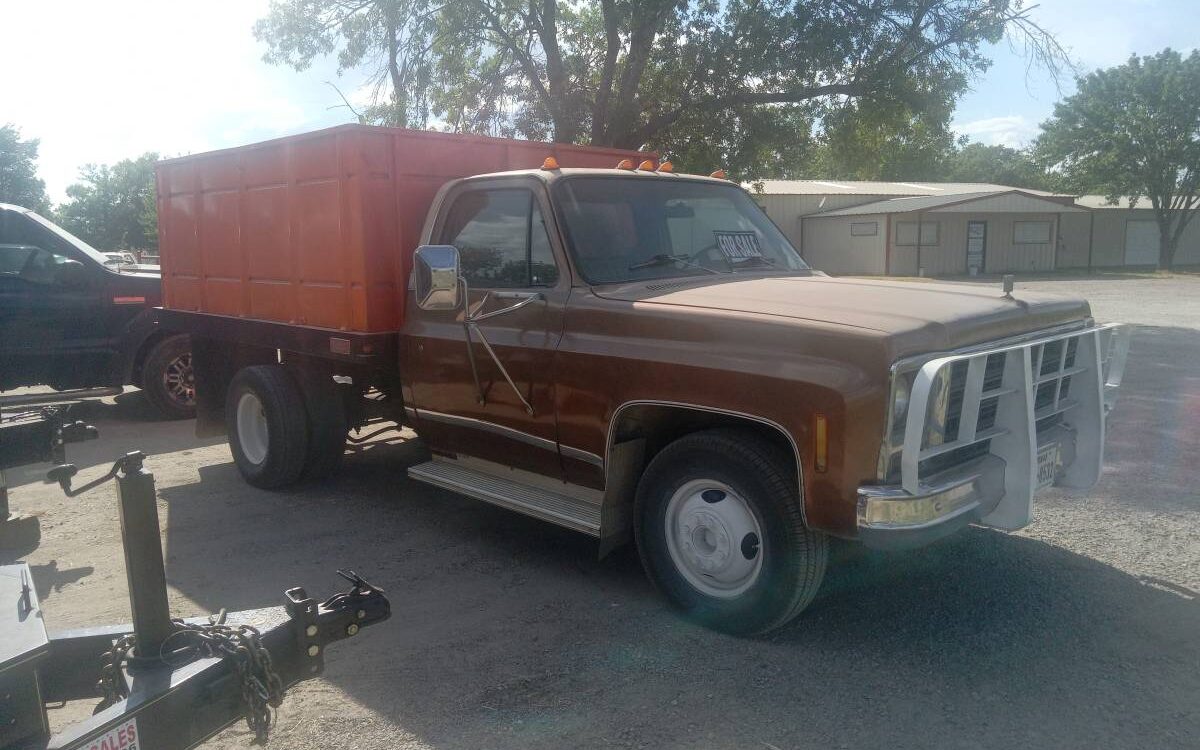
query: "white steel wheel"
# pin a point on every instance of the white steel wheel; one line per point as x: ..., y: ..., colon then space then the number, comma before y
x: 720, y: 531
x: 253, y: 432
x: 268, y: 425
x: 713, y: 538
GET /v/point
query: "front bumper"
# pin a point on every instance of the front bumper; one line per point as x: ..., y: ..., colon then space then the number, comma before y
x: 891, y: 518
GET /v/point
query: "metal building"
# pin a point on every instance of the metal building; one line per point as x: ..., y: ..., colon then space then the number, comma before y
x: 913, y: 229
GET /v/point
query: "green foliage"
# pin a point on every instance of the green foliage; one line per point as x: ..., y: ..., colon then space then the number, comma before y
x: 866, y: 141
x: 1001, y: 165
x: 113, y: 206
x: 743, y: 83
x: 1134, y: 131
x: 19, y: 183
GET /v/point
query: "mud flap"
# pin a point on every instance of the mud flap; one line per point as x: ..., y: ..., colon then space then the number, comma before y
x: 624, y: 468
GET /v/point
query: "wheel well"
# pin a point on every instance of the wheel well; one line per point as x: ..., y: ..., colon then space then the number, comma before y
x: 658, y: 425
x: 661, y: 424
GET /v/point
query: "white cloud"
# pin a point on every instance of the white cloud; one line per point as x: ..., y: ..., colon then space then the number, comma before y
x: 1014, y: 131
x: 119, y: 78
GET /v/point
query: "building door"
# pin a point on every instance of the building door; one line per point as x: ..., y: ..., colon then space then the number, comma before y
x: 1141, y: 243
x: 976, y: 247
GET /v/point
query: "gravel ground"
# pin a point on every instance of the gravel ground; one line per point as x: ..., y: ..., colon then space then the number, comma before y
x: 1082, y: 631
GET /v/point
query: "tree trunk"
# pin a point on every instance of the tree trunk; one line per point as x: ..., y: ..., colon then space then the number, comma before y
x: 1168, y: 241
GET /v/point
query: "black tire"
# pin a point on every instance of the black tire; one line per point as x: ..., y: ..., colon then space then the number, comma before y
x: 793, y: 557
x: 327, y: 429
x: 282, y: 407
x: 167, y: 378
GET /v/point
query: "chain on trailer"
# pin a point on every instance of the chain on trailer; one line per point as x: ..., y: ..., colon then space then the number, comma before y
x: 163, y: 682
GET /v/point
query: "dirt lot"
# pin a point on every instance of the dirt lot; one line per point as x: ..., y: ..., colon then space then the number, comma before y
x: 1081, y: 631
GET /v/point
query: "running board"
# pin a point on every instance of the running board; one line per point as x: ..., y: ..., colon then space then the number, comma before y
x: 580, y: 511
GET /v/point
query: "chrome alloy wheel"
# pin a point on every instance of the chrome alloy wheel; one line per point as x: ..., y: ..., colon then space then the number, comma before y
x: 714, y: 538
x: 179, y: 381
x: 253, y: 435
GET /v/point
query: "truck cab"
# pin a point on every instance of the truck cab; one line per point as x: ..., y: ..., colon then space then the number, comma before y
x: 641, y: 356
x: 71, y: 319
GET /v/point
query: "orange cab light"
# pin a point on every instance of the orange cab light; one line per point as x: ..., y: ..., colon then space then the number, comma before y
x: 625, y: 164
x: 666, y: 166
x: 821, y: 442
x: 718, y: 174
x: 550, y: 163
x: 647, y: 166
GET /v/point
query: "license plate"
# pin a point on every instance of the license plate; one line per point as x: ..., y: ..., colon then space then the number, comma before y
x: 1047, y: 465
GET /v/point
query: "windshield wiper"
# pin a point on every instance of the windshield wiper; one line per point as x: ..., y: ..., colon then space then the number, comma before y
x: 664, y: 259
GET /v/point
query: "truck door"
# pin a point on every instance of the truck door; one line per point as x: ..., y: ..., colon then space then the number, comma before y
x: 465, y: 405
x: 51, y: 309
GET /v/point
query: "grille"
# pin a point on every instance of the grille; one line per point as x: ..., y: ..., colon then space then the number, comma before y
x: 1052, y: 366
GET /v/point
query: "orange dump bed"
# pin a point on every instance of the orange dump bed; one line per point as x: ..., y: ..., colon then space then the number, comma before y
x: 319, y: 229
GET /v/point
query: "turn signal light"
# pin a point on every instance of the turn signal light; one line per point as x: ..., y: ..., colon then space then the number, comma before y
x: 666, y: 166
x: 625, y: 164
x: 821, y: 442
x: 647, y: 166
x: 718, y: 174
x: 550, y: 163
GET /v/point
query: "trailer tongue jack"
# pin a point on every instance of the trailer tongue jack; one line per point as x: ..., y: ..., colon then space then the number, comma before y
x: 162, y: 683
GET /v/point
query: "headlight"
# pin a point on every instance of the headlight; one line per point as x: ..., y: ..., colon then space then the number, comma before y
x: 900, y: 399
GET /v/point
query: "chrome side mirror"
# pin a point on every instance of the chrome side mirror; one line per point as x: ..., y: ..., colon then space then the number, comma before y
x: 435, y: 277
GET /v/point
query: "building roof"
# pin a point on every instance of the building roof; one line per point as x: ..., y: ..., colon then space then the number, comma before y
x: 943, y: 202
x: 863, y: 187
x: 1100, y: 201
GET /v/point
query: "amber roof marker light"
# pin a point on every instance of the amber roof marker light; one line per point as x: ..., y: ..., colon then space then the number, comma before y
x: 718, y: 174
x: 550, y: 163
x: 667, y: 167
x: 647, y: 165
x: 625, y: 164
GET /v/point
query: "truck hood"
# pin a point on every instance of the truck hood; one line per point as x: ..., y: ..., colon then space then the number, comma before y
x: 917, y: 317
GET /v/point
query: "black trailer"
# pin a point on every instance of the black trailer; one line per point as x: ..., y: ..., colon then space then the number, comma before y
x: 158, y: 682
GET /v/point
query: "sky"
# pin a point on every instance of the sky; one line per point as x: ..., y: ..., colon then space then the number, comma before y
x: 115, y: 79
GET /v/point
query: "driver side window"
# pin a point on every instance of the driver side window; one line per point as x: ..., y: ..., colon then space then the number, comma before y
x: 21, y: 253
x: 31, y: 264
x: 501, y: 239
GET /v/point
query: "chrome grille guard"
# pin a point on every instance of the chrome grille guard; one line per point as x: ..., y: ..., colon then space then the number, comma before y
x: 1074, y: 374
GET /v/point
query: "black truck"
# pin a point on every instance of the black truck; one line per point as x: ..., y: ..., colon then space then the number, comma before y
x: 72, y: 318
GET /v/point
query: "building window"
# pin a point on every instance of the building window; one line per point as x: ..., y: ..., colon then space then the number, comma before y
x: 864, y: 228
x: 1031, y: 233
x: 906, y: 233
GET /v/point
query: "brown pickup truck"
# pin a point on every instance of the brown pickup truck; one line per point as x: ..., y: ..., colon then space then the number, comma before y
x: 619, y: 349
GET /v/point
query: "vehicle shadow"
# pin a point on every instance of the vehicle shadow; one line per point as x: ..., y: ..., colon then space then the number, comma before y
x: 508, y: 632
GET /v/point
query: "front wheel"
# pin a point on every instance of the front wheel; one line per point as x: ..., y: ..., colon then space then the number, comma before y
x: 720, y: 532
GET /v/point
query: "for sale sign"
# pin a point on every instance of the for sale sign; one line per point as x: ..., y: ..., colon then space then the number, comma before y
x: 738, y: 245
x: 121, y: 737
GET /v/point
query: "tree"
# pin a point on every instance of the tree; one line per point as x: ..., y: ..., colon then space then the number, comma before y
x: 114, y: 206
x: 740, y: 82
x: 1001, y: 165
x: 19, y: 183
x: 1133, y: 132
x: 872, y: 141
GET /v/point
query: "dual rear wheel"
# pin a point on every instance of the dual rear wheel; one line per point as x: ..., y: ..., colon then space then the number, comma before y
x: 284, y: 426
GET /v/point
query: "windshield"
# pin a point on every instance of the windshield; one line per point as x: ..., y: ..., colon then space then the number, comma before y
x: 632, y: 228
x: 71, y: 239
